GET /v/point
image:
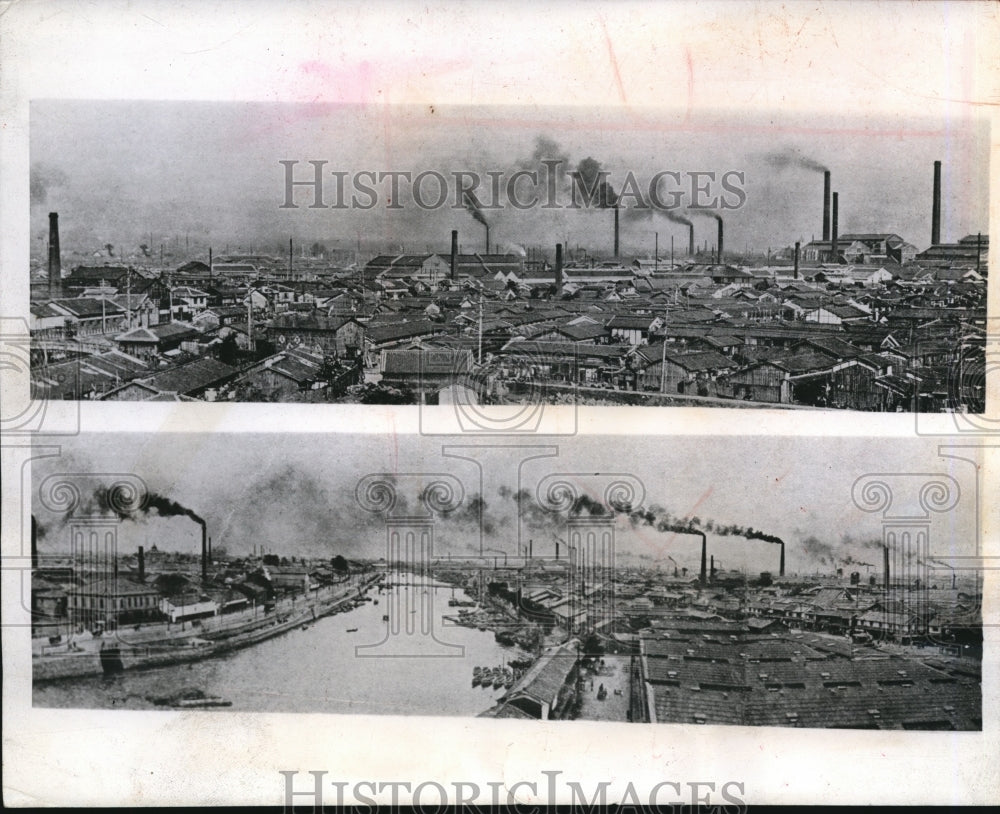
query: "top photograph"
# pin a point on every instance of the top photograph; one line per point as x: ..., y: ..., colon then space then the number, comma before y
x: 394, y: 254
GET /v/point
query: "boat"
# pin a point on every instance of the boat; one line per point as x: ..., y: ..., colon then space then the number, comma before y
x: 498, y: 679
x: 385, y: 617
x: 375, y: 601
x: 352, y: 630
x: 476, y: 678
x: 504, y: 637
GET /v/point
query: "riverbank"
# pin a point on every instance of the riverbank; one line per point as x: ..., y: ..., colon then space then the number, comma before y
x: 121, y: 651
x: 351, y: 662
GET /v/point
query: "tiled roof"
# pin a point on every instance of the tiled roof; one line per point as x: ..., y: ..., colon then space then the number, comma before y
x: 190, y: 377
x: 545, y: 678
x: 430, y: 362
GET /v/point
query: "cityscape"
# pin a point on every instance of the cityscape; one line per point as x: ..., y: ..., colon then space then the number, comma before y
x: 614, y: 299
x: 553, y: 598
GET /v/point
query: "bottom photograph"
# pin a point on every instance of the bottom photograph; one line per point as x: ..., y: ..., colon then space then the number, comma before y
x: 820, y: 582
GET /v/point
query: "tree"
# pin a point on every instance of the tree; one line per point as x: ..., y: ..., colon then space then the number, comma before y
x: 229, y: 350
x: 592, y: 645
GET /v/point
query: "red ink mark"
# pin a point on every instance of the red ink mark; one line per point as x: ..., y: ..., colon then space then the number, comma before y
x: 614, y: 62
x: 690, y: 69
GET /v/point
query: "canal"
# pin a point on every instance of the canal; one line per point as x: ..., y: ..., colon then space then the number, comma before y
x: 351, y: 662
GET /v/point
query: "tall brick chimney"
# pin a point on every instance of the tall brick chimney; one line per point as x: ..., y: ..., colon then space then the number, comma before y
x: 833, y: 229
x: 935, y: 206
x: 826, y: 205
x: 55, y: 258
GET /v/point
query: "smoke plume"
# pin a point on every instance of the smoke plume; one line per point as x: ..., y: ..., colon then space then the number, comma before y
x: 474, y: 208
x: 594, y: 182
x: 791, y: 158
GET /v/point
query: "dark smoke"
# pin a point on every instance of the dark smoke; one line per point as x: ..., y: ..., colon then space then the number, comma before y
x: 675, y: 217
x: 749, y: 533
x: 41, y: 179
x: 474, y: 208
x: 144, y: 249
x: 585, y: 505
x: 475, y: 513
x: 706, y: 213
x: 548, y: 150
x: 791, y: 158
x: 594, y: 178
x: 110, y: 249
x: 818, y: 550
x: 163, y: 506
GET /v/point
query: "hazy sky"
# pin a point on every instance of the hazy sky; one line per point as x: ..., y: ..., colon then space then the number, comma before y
x: 295, y: 493
x: 127, y: 173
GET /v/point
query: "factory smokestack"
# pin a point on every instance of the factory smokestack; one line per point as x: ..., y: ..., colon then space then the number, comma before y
x: 557, y: 542
x: 691, y: 239
x: 290, y: 258
x: 781, y: 565
x: 616, y: 231
x: 487, y: 236
x: 711, y: 568
x: 559, y: 282
x: 211, y: 264
x: 34, y: 543
x: 885, y: 566
x: 935, y: 206
x: 797, y: 244
x: 204, y: 550
x: 55, y: 256
x: 719, y: 249
x: 531, y: 549
x: 826, y: 205
x: 704, y: 557
x: 142, y: 564
x: 833, y: 229
x: 454, y: 252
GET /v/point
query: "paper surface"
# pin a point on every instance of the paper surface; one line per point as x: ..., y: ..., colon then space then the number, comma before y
x: 734, y: 80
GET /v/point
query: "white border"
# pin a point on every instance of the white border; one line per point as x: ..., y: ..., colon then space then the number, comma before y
x: 883, y: 57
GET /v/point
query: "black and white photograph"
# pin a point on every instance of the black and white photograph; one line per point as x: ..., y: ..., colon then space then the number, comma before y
x: 499, y: 404
x: 788, y: 590
x: 432, y: 255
